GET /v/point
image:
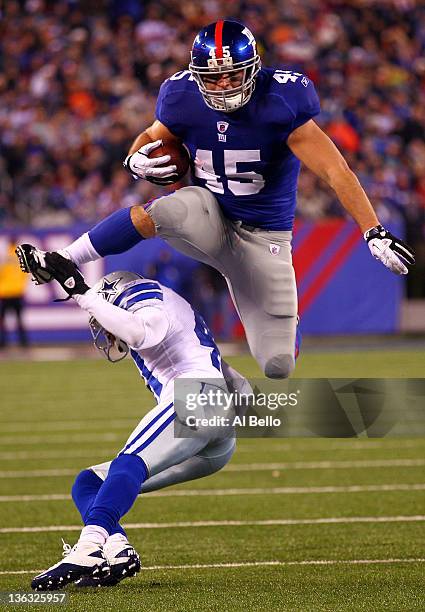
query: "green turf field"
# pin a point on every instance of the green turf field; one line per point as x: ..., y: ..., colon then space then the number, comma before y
x: 308, y: 524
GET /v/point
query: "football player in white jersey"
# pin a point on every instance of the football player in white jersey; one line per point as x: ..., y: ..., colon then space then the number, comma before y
x: 167, y: 339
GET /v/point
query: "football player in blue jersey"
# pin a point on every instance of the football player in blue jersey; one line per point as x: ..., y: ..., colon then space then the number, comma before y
x: 247, y: 129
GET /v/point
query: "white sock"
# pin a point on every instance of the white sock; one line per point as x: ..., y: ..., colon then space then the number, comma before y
x: 116, y: 538
x: 80, y: 251
x: 93, y: 534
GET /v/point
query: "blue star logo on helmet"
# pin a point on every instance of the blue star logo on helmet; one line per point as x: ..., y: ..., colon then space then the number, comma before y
x: 109, y: 288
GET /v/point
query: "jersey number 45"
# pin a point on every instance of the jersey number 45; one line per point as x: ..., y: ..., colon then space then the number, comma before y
x: 238, y: 183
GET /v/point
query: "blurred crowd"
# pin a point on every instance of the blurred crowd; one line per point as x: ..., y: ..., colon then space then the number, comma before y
x: 78, y: 81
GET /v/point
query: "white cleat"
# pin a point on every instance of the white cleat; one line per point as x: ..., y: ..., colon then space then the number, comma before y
x: 79, y: 560
x: 123, y: 561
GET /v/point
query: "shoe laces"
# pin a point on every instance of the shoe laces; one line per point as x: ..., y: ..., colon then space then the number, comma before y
x: 67, y: 548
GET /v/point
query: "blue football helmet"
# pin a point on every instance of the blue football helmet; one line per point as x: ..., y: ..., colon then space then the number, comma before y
x: 225, y: 47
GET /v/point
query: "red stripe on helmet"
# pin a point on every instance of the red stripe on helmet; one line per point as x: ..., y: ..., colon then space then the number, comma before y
x: 218, y: 36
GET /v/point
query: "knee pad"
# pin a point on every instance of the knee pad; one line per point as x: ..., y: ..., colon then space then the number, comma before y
x: 187, y: 206
x: 279, y: 366
x: 169, y: 212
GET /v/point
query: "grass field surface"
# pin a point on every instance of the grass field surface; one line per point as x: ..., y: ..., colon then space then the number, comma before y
x: 290, y: 524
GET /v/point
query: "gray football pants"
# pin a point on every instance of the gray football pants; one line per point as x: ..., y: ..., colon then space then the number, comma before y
x: 169, y: 458
x: 207, y: 461
x: 257, y: 265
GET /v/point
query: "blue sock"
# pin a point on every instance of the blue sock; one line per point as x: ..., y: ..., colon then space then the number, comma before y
x: 115, y: 234
x: 84, y: 491
x: 118, y: 493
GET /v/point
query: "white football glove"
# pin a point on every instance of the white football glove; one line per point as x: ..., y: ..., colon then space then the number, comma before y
x: 141, y: 166
x: 391, y: 251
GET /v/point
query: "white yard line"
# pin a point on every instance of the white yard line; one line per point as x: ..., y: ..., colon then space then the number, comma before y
x: 31, y: 498
x: 229, y: 492
x: 349, y: 445
x: 324, y: 465
x: 248, y: 467
x: 42, y: 426
x: 250, y: 564
x: 59, y: 454
x: 46, y: 439
x: 266, y: 522
x: 92, y: 424
x: 38, y: 473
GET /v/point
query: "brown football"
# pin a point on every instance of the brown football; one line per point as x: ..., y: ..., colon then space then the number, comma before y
x: 179, y: 157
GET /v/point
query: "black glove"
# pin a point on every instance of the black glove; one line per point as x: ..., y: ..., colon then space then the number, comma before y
x: 67, y: 274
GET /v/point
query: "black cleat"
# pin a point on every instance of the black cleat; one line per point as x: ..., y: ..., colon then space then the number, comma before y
x: 32, y: 261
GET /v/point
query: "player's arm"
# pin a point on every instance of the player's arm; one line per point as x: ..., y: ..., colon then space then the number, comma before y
x: 317, y: 151
x: 140, y: 165
x: 156, y: 131
x: 144, y: 328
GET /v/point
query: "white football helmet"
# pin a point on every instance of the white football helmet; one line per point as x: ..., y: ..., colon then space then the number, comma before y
x: 111, y: 287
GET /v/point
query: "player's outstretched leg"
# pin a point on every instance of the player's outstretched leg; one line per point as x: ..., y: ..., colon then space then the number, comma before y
x: 189, y: 219
x: 256, y: 264
x: 261, y: 281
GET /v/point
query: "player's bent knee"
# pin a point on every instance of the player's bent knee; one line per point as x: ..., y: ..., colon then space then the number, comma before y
x: 279, y: 366
x: 86, y: 481
x: 172, y: 211
x: 169, y: 212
